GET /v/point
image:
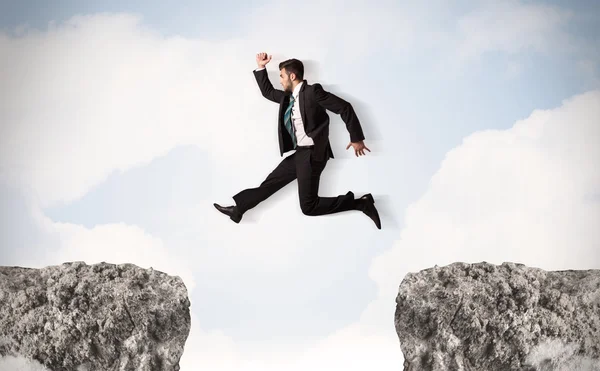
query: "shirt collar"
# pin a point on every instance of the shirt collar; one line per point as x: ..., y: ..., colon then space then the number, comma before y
x: 297, y: 90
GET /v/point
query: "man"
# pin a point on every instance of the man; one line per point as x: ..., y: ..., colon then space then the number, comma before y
x: 303, y: 126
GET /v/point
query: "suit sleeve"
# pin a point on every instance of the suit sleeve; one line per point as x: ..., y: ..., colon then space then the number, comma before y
x: 266, y: 88
x: 339, y: 106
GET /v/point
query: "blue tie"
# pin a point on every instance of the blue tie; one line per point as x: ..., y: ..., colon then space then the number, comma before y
x: 287, y: 119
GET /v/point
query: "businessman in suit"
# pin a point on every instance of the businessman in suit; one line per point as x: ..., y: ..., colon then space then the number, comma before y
x: 304, y: 127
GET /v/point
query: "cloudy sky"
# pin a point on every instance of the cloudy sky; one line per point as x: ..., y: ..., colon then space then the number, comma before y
x: 122, y: 122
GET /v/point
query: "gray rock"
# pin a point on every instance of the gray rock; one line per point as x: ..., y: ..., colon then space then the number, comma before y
x: 93, y: 317
x: 487, y: 317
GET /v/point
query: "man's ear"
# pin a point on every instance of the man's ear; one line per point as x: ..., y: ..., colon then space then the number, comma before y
x: 292, y: 76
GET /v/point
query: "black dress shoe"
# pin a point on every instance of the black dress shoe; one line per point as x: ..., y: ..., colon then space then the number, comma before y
x: 231, y: 211
x: 366, y: 204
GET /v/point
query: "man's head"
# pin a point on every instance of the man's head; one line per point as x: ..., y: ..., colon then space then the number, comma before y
x: 291, y: 73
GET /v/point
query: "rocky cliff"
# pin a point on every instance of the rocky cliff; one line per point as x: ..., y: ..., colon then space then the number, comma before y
x: 487, y: 317
x: 94, y: 317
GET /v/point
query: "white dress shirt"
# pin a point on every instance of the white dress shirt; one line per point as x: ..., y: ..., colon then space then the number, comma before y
x: 301, y: 138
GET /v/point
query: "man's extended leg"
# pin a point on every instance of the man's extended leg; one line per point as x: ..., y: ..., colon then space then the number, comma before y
x: 282, y: 175
x: 309, y: 174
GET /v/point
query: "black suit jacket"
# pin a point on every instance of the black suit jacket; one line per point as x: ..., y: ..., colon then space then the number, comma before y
x: 314, y: 101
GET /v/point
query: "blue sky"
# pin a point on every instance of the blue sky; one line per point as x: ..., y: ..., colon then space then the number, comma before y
x: 215, y: 20
x: 124, y: 122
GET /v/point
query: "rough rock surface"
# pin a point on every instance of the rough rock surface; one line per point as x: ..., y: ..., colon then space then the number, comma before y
x: 94, y: 317
x: 499, y: 317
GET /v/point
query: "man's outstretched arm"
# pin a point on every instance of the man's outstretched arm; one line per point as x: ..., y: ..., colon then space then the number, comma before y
x: 262, y: 78
x: 341, y: 107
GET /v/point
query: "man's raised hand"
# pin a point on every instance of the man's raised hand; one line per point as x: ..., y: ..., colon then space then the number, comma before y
x: 262, y: 59
x: 359, y: 148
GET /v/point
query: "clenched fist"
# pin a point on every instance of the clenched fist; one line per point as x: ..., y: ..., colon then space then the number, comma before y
x: 262, y: 59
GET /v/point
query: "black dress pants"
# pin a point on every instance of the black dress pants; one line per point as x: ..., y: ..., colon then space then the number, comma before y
x: 300, y: 165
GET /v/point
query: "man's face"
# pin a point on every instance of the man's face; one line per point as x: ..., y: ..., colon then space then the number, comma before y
x: 285, y: 80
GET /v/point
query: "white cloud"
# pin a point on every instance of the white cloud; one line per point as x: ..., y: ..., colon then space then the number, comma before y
x: 119, y: 244
x: 103, y: 93
x: 348, y: 31
x: 11, y: 363
x: 349, y: 349
x: 206, y: 350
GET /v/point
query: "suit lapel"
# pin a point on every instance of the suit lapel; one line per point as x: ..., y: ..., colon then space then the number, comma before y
x: 301, y: 96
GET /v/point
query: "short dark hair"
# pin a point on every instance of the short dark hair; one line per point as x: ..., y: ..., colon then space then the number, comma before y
x: 293, y: 65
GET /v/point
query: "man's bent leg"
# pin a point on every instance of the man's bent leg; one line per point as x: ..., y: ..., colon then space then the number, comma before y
x: 309, y: 174
x: 282, y: 175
